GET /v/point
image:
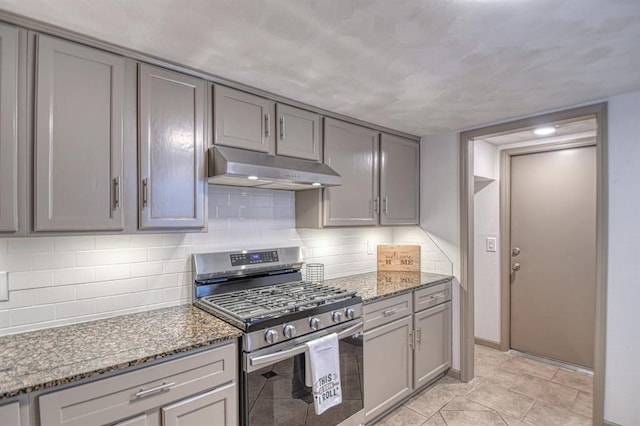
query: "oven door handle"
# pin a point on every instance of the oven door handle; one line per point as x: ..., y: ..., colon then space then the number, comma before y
x: 296, y: 350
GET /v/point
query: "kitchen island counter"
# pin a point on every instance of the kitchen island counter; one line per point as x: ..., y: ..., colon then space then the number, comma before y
x: 373, y: 286
x: 46, y: 358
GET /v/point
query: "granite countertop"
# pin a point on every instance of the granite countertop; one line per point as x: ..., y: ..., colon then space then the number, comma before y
x: 45, y: 358
x: 373, y: 286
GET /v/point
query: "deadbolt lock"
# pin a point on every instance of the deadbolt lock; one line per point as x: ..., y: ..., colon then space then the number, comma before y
x: 515, y: 251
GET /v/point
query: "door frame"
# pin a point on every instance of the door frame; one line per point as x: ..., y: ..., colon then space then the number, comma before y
x: 598, y: 110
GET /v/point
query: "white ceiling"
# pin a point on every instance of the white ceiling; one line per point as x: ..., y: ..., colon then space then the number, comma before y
x: 422, y: 66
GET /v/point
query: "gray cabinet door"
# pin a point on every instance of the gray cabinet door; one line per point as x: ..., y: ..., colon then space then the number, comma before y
x: 399, y: 181
x: 78, y: 138
x: 352, y: 151
x: 217, y: 407
x: 10, y: 414
x: 297, y: 133
x: 242, y: 120
x: 8, y: 129
x: 433, y: 343
x: 172, y: 181
x: 388, y: 372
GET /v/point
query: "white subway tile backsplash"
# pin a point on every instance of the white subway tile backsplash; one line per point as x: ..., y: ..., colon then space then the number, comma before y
x: 162, y: 281
x: 75, y: 309
x: 42, y: 261
x: 146, y: 269
x: 48, y: 295
x: 26, y: 280
x: 133, y: 285
x: 74, y: 243
x: 30, y: 245
x: 73, y: 276
x: 112, y: 272
x: 32, y: 315
x: 60, y: 280
x: 110, y: 257
x: 5, y: 319
x: 18, y: 299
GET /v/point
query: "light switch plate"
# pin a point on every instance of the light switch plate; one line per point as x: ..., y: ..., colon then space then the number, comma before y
x: 491, y: 244
x: 4, y: 286
x: 370, y: 247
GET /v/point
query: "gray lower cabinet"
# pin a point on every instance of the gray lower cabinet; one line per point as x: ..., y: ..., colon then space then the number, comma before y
x: 198, y: 389
x: 171, y: 149
x: 10, y: 414
x: 352, y: 151
x: 388, y: 369
x: 399, y: 181
x: 242, y: 120
x: 297, y: 133
x: 431, y: 360
x: 406, y: 346
x: 8, y: 128
x: 78, y: 137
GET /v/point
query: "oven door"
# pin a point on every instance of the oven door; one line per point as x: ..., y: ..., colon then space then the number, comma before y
x: 274, y: 390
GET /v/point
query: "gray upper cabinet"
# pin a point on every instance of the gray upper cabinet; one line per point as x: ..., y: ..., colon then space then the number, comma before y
x: 242, y: 120
x: 297, y: 133
x: 172, y: 176
x: 399, y: 181
x: 8, y: 129
x: 352, y: 151
x: 78, y: 138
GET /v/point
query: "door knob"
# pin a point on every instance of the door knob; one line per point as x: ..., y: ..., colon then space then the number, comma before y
x: 515, y: 266
x: 515, y: 251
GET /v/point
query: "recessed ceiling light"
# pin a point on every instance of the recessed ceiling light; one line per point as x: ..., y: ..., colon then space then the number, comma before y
x: 545, y: 131
x: 316, y: 184
x: 252, y: 177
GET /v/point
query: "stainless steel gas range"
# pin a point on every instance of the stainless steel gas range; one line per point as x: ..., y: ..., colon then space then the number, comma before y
x: 262, y: 293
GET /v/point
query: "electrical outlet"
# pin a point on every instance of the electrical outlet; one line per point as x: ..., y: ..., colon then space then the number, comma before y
x: 491, y: 244
x: 370, y: 247
x: 4, y: 287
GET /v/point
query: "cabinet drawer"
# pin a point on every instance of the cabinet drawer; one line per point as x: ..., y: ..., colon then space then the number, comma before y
x: 384, y: 311
x: 431, y: 296
x: 119, y: 397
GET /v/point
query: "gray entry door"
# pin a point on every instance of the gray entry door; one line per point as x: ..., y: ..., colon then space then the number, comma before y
x: 553, y: 224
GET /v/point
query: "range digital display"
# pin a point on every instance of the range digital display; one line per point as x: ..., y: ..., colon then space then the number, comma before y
x: 240, y: 259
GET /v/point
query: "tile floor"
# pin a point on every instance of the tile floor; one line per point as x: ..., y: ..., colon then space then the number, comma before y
x: 508, y: 390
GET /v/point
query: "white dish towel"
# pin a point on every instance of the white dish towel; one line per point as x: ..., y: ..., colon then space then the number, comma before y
x: 323, y: 359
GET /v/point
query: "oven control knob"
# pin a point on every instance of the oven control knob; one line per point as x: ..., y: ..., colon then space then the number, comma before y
x: 337, y: 316
x: 350, y: 313
x: 289, y: 331
x: 271, y: 336
x: 314, y: 323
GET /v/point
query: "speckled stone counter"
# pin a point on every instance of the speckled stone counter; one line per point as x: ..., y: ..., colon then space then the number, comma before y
x: 373, y: 286
x: 45, y: 358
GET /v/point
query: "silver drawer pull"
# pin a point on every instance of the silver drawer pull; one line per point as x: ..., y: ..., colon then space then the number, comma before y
x: 389, y: 312
x: 438, y: 296
x: 163, y: 387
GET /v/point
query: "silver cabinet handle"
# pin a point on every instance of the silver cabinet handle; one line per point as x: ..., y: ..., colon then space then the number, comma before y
x: 385, y: 204
x: 281, y: 128
x: 389, y: 312
x: 376, y: 205
x: 267, y: 125
x: 515, y: 266
x: 116, y: 192
x: 161, y: 388
x: 438, y: 296
x: 411, y: 341
x: 296, y: 350
x: 145, y: 190
x: 419, y: 336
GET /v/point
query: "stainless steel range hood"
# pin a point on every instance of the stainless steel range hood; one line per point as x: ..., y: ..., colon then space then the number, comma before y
x: 240, y: 167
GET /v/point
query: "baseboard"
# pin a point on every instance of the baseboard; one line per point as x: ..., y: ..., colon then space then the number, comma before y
x: 454, y: 373
x: 488, y: 343
x: 606, y: 423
